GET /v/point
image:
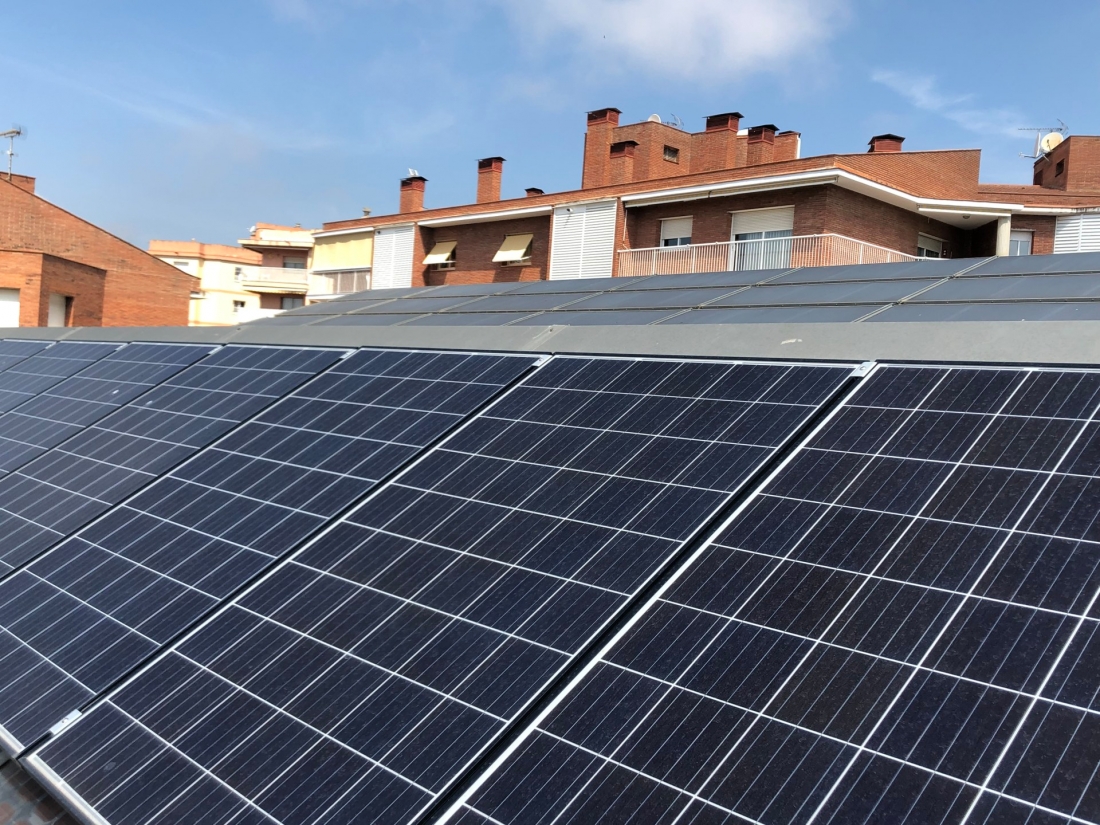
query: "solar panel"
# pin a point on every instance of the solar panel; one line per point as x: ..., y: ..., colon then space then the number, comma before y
x: 523, y: 303
x: 654, y: 298
x: 30, y: 376
x: 467, y: 319
x: 88, y: 612
x: 1037, y: 264
x: 64, y: 489
x: 772, y: 315
x: 13, y: 350
x: 1015, y: 288
x: 358, y: 679
x: 433, y: 302
x: 633, y: 317
x: 898, y: 628
x: 49, y: 418
x: 842, y: 292
x: 921, y: 268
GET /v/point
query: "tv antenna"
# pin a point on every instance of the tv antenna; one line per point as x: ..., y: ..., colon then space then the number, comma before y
x: 1046, y: 138
x: 11, y: 135
x: 674, y: 120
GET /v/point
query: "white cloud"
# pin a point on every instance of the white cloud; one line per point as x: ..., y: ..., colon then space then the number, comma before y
x: 688, y: 39
x: 923, y: 92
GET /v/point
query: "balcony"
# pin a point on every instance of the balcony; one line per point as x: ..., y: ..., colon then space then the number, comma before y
x: 770, y: 253
x: 315, y: 285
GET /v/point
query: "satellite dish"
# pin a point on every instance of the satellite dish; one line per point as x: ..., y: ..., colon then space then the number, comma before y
x: 654, y: 119
x: 1049, y: 142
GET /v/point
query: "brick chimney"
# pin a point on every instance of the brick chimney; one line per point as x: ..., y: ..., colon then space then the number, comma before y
x: 597, y: 143
x: 621, y: 156
x: 489, y: 173
x: 533, y: 191
x: 412, y: 194
x: 761, y: 144
x: 716, y: 148
x: 885, y: 143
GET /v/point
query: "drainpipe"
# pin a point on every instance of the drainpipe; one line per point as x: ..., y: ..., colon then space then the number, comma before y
x: 1004, y: 234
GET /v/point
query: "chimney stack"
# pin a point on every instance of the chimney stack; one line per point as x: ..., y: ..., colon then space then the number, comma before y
x: 533, y: 191
x: 412, y: 194
x: 885, y: 143
x: 489, y: 173
x: 725, y: 122
x: 597, y: 142
x: 621, y: 156
x: 761, y: 144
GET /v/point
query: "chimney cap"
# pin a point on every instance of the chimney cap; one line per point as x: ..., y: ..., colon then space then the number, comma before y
x: 485, y: 163
x: 767, y: 127
x: 737, y: 115
x: 887, y: 136
x: 533, y: 190
x: 605, y: 110
x: 413, y: 178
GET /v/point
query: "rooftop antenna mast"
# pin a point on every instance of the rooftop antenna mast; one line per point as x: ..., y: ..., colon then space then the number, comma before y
x: 1043, y: 146
x: 11, y: 135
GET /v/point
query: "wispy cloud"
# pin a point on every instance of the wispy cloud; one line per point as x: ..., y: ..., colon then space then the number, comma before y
x: 706, y: 40
x: 923, y: 92
x: 176, y: 109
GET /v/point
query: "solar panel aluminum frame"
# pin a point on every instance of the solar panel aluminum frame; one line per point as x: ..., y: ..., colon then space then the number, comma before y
x: 863, y: 372
x: 703, y: 529
x: 12, y: 746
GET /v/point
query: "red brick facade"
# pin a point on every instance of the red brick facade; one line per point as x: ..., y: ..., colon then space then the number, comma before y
x: 477, y: 244
x: 883, y: 196
x: 112, y: 283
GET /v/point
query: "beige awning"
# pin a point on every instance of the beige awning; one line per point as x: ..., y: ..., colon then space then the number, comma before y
x: 441, y: 252
x: 514, y: 248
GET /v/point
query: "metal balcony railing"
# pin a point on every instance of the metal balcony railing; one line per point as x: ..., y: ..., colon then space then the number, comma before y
x: 769, y: 253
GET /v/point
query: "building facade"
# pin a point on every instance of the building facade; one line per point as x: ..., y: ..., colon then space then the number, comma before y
x: 270, y: 272
x: 655, y: 199
x: 59, y: 270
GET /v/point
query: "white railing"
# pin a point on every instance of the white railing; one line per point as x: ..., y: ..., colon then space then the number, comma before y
x: 275, y: 274
x: 770, y: 253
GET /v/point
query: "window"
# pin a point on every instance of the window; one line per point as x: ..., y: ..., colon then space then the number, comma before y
x: 238, y: 274
x: 515, y: 250
x: 672, y: 154
x: 929, y: 247
x: 181, y: 264
x: 294, y: 263
x: 292, y: 302
x: 676, y: 231
x: 1059, y: 168
x: 761, y: 238
x: 442, y: 255
x: 237, y: 306
x: 1019, y: 242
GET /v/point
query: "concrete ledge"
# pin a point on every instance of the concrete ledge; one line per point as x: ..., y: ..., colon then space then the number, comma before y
x: 1019, y: 342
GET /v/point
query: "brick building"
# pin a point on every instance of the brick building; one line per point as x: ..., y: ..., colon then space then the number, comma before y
x: 655, y: 199
x: 59, y: 270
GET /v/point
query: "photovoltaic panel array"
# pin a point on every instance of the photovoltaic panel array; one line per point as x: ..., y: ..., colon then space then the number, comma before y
x: 94, y: 608
x: 63, y: 410
x: 359, y: 679
x: 12, y: 351
x: 901, y: 627
x: 64, y: 489
x: 26, y: 377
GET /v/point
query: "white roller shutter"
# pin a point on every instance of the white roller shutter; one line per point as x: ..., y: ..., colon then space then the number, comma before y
x: 583, y: 244
x: 763, y: 220
x: 9, y: 307
x: 393, y: 257
x: 1078, y: 233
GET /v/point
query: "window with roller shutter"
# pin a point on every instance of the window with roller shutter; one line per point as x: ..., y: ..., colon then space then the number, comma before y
x: 583, y: 243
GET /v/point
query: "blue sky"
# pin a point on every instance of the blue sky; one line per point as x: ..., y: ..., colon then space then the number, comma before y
x: 194, y: 120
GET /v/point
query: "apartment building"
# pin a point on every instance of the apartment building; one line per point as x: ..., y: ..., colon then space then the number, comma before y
x: 270, y: 272
x: 656, y: 199
x: 59, y: 270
